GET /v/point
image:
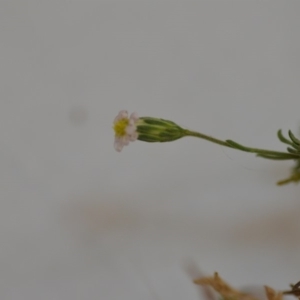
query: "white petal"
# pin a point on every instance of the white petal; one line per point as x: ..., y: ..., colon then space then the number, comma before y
x: 118, y: 146
x: 125, y: 140
x: 130, y: 129
x: 123, y: 114
x: 134, y: 137
x: 134, y: 116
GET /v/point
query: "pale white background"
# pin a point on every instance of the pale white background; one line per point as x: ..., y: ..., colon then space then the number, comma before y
x: 81, y: 221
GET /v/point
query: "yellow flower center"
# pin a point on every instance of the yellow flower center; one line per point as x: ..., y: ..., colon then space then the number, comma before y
x: 120, y: 127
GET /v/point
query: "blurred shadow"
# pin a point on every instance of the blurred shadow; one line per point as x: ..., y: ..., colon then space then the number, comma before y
x: 280, y: 228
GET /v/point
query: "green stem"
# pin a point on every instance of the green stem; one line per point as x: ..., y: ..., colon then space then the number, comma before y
x: 234, y: 145
x: 206, y: 137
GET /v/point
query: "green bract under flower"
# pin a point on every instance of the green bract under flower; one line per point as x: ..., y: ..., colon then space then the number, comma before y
x: 158, y: 130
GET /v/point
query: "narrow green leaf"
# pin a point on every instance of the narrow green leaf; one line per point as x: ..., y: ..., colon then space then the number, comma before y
x: 236, y: 145
x: 295, y: 177
x: 293, y: 138
x: 291, y: 150
x: 283, y: 139
x: 276, y: 157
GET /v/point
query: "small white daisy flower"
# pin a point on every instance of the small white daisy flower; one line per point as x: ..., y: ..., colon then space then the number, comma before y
x: 151, y: 130
x: 125, y: 129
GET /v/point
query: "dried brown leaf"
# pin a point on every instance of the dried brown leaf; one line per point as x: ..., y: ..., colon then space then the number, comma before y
x: 223, y: 288
x: 272, y: 295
